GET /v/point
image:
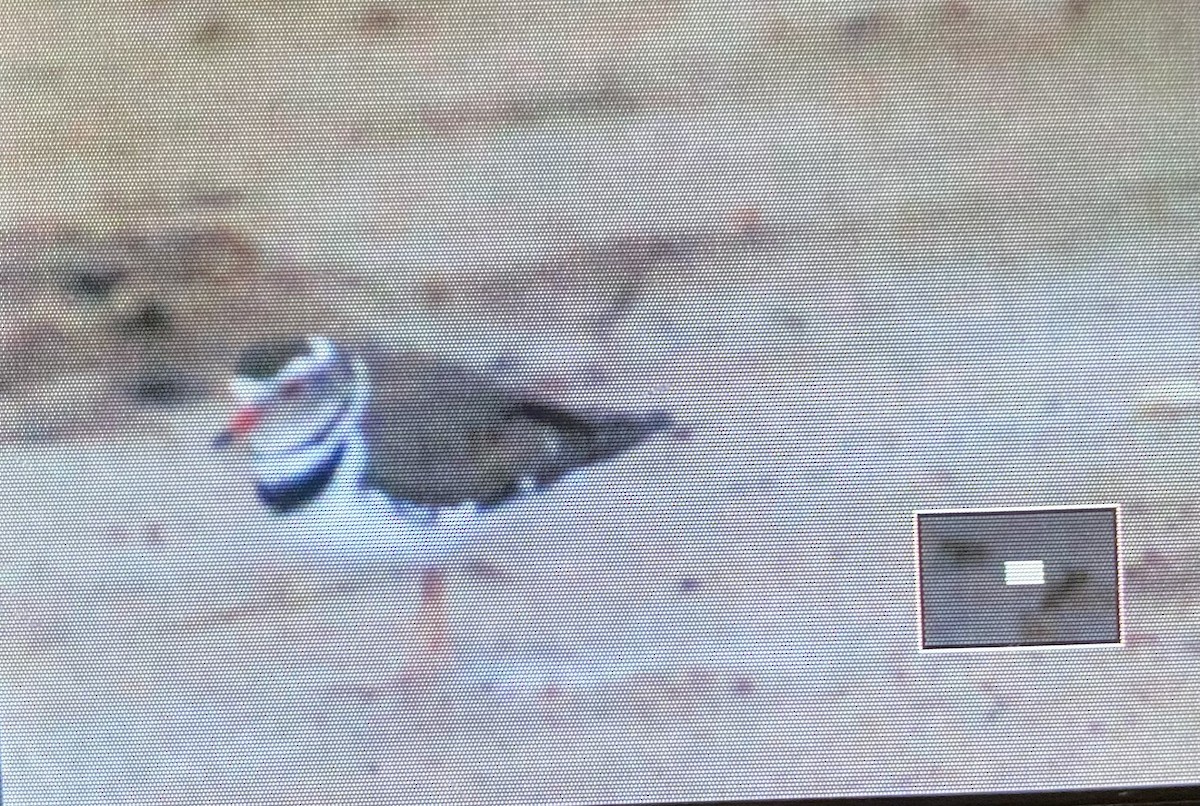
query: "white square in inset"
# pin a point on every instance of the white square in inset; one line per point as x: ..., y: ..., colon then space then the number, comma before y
x: 1024, y: 572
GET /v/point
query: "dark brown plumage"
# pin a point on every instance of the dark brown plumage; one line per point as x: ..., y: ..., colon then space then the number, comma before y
x: 439, y: 435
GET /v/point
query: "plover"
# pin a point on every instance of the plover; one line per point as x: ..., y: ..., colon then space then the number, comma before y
x: 409, y: 446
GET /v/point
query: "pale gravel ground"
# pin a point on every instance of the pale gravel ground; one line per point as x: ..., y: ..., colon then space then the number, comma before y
x: 961, y: 309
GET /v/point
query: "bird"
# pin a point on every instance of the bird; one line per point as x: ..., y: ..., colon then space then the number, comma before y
x: 401, y: 450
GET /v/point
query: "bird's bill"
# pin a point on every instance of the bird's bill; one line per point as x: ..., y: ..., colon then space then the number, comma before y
x: 243, y: 423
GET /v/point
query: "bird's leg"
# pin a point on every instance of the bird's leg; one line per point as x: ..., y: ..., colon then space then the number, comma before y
x: 433, y: 651
x: 432, y: 622
x: 431, y: 654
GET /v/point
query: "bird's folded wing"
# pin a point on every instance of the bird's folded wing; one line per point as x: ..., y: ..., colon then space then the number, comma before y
x: 439, y: 435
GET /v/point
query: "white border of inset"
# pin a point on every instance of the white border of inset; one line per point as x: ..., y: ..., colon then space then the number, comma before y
x: 1120, y: 642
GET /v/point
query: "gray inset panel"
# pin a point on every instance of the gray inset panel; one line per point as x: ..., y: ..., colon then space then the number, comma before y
x: 967, y: 600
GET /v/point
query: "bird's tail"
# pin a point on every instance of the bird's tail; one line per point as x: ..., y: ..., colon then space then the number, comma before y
x: 597, y: 436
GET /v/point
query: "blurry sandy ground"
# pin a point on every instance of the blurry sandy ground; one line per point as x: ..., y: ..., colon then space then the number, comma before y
x: 880, y: 257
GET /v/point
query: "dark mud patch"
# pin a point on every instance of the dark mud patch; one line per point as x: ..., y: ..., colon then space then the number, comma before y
x: 100, y: 325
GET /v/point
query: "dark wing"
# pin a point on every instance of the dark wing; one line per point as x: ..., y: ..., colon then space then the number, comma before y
x: 440, y: 435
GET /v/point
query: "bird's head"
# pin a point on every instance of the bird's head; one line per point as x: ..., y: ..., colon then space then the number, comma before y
x: 285, y: 389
